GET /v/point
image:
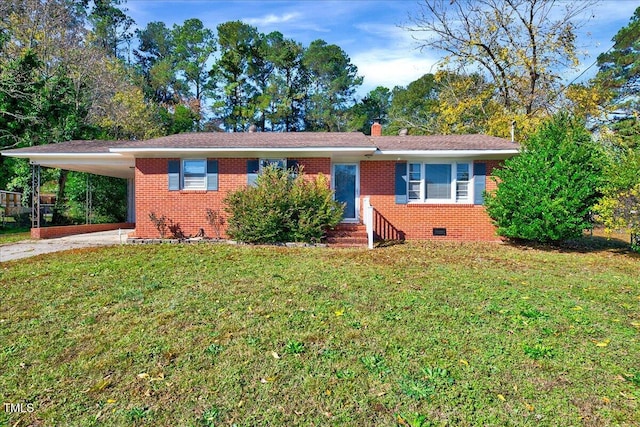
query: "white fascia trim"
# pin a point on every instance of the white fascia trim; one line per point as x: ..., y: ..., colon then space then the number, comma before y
x: 447, y: 153
x: 77, y: 161
x: 62, y: 155
x: 243, y: 150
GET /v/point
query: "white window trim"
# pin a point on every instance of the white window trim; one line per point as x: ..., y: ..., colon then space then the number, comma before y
x: 468, y: 182
x: 421, y: 181
x: 183, y: 175
x: 454, y: 181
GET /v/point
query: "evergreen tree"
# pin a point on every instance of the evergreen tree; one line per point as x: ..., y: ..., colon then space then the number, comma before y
x: 620, y: 75
x: 374, y: 106
x: 546, y: 193
x: 333, y: 80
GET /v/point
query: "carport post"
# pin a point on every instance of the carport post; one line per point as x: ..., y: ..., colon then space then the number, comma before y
x: 89, y: 202
x: 131, y: 200
x: 35, y: 195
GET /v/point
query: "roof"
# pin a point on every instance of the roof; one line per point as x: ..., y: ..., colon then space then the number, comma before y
x: 75, y: 147
x: 442, y: 142
x: 254, y: 140
x: 117, y: 158
x: 83, y: 156
x: 273, y: 140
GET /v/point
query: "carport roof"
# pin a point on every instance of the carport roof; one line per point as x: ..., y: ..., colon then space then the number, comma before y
x: 82, y: 156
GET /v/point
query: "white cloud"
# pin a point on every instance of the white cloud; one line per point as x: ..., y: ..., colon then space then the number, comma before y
x: 272, y: 19
x: 392, y: 57
x: 389, y: 30
x: 391, y: 68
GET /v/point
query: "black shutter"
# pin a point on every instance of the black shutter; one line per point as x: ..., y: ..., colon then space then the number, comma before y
x: 174, y: 175
x: 253, y: 166
x: 401, y: 184
x: 479, y: 182
x: 292, y: 164
x: 212, y: 175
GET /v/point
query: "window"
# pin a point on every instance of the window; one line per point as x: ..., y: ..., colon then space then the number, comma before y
x: 255, y: 167
x: 439, y: 182
x: 415, y: 181
x: 462, y: 182
x: 193, y: 174
x: 277, y: 163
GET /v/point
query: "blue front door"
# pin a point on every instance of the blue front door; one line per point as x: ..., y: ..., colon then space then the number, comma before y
x: 345, y: 178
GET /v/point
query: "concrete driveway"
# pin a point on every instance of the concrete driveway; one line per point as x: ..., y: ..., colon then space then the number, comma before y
x: 29, y: 248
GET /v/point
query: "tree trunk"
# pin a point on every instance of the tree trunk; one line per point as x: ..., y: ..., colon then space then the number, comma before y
x: 58, y: 209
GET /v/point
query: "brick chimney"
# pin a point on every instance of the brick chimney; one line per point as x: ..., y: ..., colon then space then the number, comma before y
x: 376, y: 128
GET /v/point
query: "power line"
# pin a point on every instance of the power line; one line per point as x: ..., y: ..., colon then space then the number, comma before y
x: 579, y: 75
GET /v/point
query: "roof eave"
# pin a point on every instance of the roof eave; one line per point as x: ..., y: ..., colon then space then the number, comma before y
x: 66, y: 155
x: 448, y: 153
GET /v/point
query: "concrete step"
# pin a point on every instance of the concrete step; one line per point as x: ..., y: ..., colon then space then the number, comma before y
x: 350, y: 227
x: 359, y: 240
x: 347, y: 235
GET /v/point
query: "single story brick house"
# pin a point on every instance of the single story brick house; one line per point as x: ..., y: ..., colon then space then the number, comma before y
x: 420, y: 187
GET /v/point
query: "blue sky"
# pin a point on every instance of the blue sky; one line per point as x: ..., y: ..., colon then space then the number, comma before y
x: 367, y: 30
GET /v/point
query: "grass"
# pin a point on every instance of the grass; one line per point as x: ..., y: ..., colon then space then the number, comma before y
x: 432, y: 334
x: 14, y: 234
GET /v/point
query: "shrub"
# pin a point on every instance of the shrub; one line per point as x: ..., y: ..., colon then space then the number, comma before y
x: 282, y: 208
x: 546, y: 193
x: 619, y: 208
x: 160, y: 223
x: 23, y: 219
x: 216, y: 221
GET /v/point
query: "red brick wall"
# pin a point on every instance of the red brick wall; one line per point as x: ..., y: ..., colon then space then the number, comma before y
x: 187, y: 207
x: 416, y: 221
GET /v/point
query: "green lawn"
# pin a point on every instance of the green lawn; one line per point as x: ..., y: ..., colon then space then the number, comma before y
x: 11, y: 234
x: 428, y: 334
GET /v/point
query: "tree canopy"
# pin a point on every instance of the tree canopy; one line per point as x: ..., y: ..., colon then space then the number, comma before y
x: 619, y: 78
x: 620, y: 66
x: 520, y: 47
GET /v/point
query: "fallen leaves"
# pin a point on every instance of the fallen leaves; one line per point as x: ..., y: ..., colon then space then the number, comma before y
x: 144, y: 376
x: 100, y: 385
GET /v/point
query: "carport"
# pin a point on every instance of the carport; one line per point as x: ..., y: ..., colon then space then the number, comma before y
x: 93, y: 157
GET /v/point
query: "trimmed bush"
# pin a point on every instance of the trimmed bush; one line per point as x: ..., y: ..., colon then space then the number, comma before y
x: 282, y: 207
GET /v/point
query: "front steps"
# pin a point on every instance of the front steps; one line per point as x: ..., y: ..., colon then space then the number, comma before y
x: 347, y: 235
